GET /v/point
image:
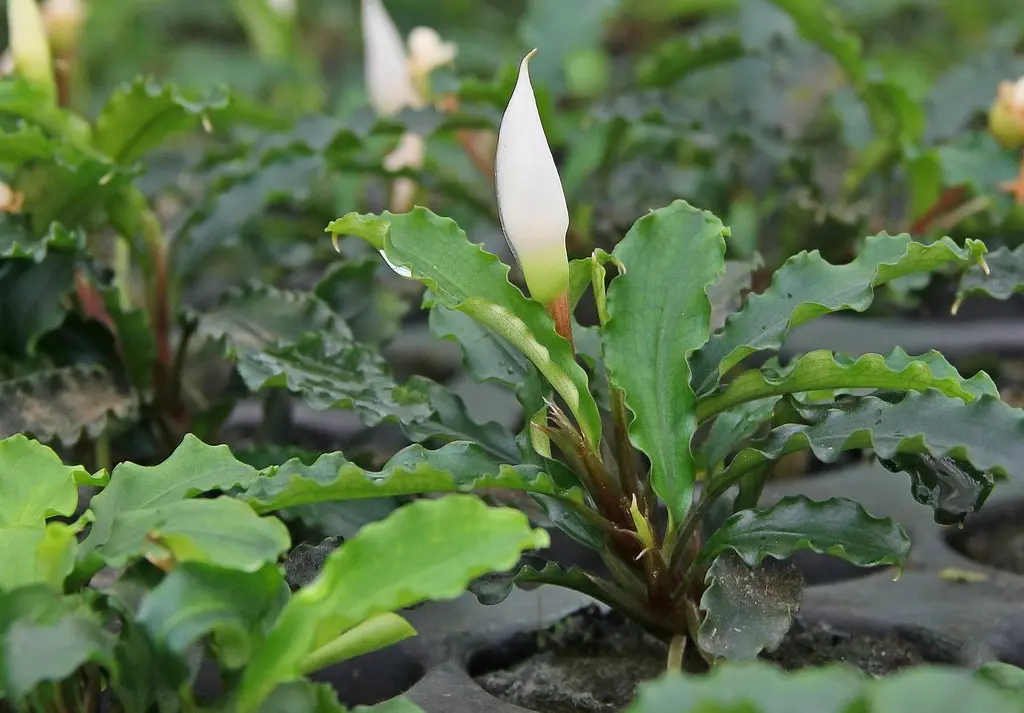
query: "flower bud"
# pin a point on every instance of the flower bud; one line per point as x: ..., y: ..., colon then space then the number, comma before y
x: 63, y: 20
x: 409, y: 153
x: 427, y: 52
x: 1006, y: 117
x: 531, y: 204
x: 30, y: 46
x: 388, y: 83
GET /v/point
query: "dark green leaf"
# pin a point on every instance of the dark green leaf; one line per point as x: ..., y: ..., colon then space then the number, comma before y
x: 747, y: 610
x: 659, y: 314
x: 532, y: 571
x: 807, y: 287
x: 352, y: 290
x: 33, y: 300
x: 733, y: 427
x: 1005, y: 276
x: 429, y: 549
x: 953, y: 489
x: 563, y: 28
x: 836, y: 526
x: 63, y: 404
x: 18, y: 241
x: 986, y: 434
x: 456, y: 467
x: 676, y: 59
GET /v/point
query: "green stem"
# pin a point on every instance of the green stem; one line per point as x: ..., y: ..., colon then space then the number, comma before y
x: 101, y: 447
x: 123, y: 270
x: 676, y: 649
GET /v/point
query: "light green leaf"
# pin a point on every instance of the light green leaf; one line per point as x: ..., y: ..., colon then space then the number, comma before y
x: 836, y: 526
x: 429, y: 549
x: 659, y: 313
x: 221, y: 531
x: 762, y: 687
x: 823, y: 370
x: 34, y: 483
x: 193, y: 468
x: 456, y: 467
x: 375, y: 633
x: 25, y: 143
x: 37, y: 555
x: 464, y: 277
x: 807, y: 287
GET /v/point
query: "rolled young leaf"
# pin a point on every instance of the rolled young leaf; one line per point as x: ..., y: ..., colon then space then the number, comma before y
x: 531, y: 204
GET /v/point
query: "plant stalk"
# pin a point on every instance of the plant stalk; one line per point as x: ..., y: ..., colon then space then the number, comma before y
x: 560, y: 311
x: 676, y: 649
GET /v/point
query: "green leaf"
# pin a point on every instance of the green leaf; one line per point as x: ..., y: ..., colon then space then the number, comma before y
x: 823, y: 370
x: 676, y: 59
x: 533, y: 570
x: 1005, y: 276
x: 18, y: 241
x: 26, y: 143
x: 46, y: 637
x: 456, y: 467
x: 193, y: 468
x: 375, y: 633
x: 71, y: 187
x: 63, y: 404
x: 427, y: 550
x: 952, y: 488
x: 1004, y: 675
x: 747, y: 610
x: 197, y: 599
x: 222, y: 531
x: 807, y: 287
x: 895, y: 116
x: 330, y: 374
x: 141, y: 115
x: 35, y: 483
x: 353, y: 291
x: 488, y: 357
x: 562, y: 28
x: 464, y: 277
x: 257, y: 316
x: 33, y: 301
x: 761, y: 687
x: 22, y: 99
x: 836, y: 526
x: 731, y: 428
x: 37, y: 555
x: 659, y: 313
x: 985, y: 433
x: 451, y: 420
x: 303, y: 697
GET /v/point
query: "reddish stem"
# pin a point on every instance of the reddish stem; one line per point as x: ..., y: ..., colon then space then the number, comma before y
x: 559, y: 310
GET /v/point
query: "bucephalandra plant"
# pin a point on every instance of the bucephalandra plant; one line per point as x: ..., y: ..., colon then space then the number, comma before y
x: 652, y: 407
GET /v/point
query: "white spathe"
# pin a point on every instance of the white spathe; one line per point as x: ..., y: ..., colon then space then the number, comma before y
x: 531, y: 203
x: 410, y: 153
x: 285, y: 8
x: 388, y: 84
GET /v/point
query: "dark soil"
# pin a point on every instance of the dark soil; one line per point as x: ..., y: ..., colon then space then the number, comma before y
x: 997, y: 540
x: 593, y: 662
